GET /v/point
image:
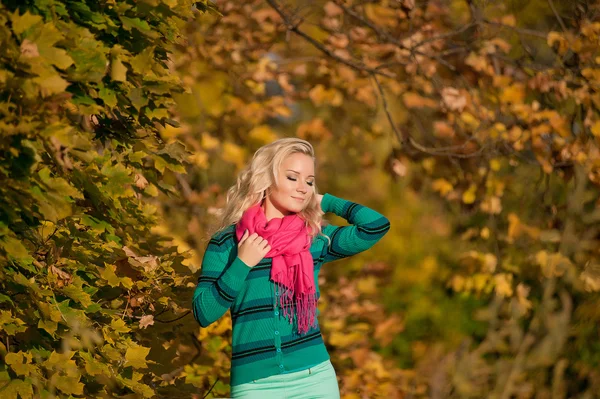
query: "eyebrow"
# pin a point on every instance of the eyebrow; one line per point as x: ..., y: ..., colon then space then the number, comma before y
x: 291, y: 170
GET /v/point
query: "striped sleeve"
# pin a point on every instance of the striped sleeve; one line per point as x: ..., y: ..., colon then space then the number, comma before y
x: 219, y: 283
x: 367, y: 226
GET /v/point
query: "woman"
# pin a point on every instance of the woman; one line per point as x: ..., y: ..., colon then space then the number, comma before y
x: 263, y: 264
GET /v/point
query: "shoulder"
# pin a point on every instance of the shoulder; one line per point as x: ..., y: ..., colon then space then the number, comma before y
x: 223, y: 239
x: 328, y: 229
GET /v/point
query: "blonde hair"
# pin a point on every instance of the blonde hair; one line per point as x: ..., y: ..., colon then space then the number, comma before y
x: 257, y: 178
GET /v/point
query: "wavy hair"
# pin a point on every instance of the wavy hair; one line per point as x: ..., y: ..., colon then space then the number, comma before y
x: 256, y: 179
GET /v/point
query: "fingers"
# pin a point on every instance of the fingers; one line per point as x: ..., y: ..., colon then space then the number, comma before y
x: 243, y: 237
x: 264, y: 245
x: 253, y: 238
x: 267, y: 248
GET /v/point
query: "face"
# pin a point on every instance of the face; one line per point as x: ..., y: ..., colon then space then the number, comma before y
x: 296, y: 184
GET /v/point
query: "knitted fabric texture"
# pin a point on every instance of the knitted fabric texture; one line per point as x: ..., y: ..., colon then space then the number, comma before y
x: 292, y: 263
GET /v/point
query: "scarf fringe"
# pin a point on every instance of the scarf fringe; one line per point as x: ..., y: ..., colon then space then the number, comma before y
x: 305, y: 305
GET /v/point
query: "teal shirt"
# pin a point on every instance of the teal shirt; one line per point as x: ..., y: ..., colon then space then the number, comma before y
x: 264, y: 343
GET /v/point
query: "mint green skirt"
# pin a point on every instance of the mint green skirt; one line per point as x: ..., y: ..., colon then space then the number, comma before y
x: 316, y: 382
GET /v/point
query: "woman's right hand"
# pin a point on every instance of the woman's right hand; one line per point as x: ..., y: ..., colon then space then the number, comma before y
x: 252, y: 248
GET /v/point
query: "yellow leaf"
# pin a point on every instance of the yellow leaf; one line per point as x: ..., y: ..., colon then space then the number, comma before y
x: 344, y: 340
x: 321, y: 96
x: 385, y: 16
x: 108, y: 274
x: 469, y: 120
x: 200, y: 159
x: 457, y: 283
x: 509, y: 20
x: 495, y: 164
x: 553, y: 265
x: 480, y: 280
x: 477, y: 62
x: 414, y: 100
x: 555, y: 37
x: 314, y: 129
x: 514, y: 93
x: 262, y: 134
x: 491, y: 205
x: 367, y: 285
x: 468, y: 196
x: 48, y: 325
x: 208, y: 142
x: 118, y: 70
x: 442, y: 186
x: 503, y: 282
x: 282, y: 110
x: 119, y: 326
x: 595, y: 129
x: 136, y: 356
x: 50, y: 85
x: 234, y: 154
x: 20, y: 23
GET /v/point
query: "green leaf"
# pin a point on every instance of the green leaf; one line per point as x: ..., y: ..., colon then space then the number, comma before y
x: 14, y: 249
x: 108, y: 96
x: 142, y: 63
x: 141, y: 25
x: 11, y: 324
x: 77, y: 293
x: 137, y: 98
x: 6, y: 298
x: 175, y: 150
x: 90, y: 57
x: 94, y: 366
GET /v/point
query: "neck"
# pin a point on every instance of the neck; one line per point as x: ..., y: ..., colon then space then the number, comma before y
x: 272, y: 211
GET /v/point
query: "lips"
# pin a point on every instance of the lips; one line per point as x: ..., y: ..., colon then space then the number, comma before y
x: 298, y: 199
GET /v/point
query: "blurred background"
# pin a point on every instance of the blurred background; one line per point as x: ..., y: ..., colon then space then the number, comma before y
x: 473, y: 125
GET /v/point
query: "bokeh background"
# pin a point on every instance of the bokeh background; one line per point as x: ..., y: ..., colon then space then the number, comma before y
x: 473, y: 125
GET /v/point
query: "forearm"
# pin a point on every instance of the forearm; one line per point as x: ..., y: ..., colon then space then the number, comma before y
x: 366, y: 228
x: 217, y: 290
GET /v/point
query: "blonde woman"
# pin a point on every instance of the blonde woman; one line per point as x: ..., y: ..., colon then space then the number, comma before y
x: 263, y: 264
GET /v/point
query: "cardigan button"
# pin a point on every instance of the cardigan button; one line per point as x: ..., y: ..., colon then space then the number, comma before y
x: 276, y: 332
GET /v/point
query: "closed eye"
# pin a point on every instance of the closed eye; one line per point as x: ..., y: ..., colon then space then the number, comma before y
x: 310, y: 183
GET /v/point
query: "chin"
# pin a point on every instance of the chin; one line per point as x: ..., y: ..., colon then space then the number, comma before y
x: 296, y: 209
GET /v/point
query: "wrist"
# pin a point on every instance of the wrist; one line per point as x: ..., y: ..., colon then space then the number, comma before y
x: 326, y: 202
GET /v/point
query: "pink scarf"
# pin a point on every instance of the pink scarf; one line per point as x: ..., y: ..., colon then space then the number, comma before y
x: 292, y: 265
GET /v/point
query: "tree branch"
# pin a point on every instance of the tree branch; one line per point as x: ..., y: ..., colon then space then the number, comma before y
x: 390, y: 39
x: 295, y: 28
x: 560, y: 21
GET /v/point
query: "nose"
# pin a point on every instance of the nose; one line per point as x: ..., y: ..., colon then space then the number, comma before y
x: 302, y: 187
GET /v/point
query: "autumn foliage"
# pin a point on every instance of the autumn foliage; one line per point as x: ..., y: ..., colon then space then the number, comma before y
x: 473, y: 125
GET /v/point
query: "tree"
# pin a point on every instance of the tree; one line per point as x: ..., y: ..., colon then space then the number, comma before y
x: 478, y: 100
x: 85, y: 89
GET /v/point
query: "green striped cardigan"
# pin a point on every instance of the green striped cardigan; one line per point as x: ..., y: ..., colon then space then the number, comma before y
x: 264, y: 343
